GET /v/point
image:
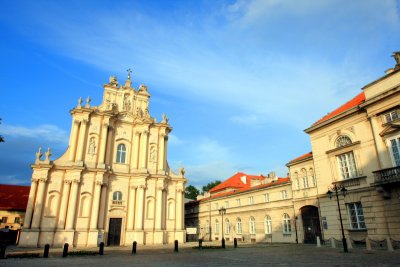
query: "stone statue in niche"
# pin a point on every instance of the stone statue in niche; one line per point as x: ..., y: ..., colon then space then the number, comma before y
x: 139, y: 112
x: 127, y: 103
x: 153, y: 154
x: 92, y: 146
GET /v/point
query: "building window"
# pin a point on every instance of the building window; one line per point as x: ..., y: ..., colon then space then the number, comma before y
x: 17, y: 220
x: 347, y: 165
x: 239, y: 226
x: 4, y: 220
x: 252, y: 225
x: 395, y: 150
x: 227, y: 227
x: 268, y: 225
x: 216, y: 226
x: 121, y: 153
x: 305, y: 182
x: 284, y: 194
x: 238, y: 202
x: 314, y: 180
x: 266, y: 197
x: 343, y: 140
x: 251, y: 200
x: 117, y: 195
x: 391, y: 116
x: 297, y: 183
x: 286, y: 227
x: 356, y: 215
x: 226, y: 204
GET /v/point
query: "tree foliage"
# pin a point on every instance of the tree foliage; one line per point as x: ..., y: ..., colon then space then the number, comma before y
x: 210, y: 185
x: 191, y: 192
x: 1, y: 137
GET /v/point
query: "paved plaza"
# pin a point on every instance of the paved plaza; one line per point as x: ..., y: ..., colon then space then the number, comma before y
x: 249, y: 255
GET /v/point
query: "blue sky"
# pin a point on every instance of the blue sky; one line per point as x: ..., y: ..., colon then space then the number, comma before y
x: 240, y: 80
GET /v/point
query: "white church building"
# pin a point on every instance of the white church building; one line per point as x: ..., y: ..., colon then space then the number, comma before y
x: 113, y: 184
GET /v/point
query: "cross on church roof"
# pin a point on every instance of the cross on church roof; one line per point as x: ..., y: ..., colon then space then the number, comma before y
x: 129, y: 73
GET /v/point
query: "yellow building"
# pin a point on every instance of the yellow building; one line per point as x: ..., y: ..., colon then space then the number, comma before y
x: 355, y: 147
x: 113, y: 183
x: 257, y: 208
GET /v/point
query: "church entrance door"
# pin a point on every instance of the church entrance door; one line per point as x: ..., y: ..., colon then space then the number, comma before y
x: 114, y: 232
x: 311, y: 225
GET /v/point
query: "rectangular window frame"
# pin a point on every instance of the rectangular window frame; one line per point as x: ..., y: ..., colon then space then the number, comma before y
x: 347, y: 165
x: 356, y: 216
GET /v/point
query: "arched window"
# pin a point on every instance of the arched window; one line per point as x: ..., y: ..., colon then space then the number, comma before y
x: 252, y: 225
x: 343, y: 140
x: 286, y: 227
x: 268, y: 225
x: 296, y: 176
x: 314, y: 180
x: 216, y: 226
x: 121, y: 153
x: 239, y: 226
x: 150, y: 209
x: 117, y: 195
x: 305, y: 178
x: 227, y: 227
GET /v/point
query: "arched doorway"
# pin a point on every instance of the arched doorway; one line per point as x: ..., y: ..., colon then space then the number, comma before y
x: 311, y: 225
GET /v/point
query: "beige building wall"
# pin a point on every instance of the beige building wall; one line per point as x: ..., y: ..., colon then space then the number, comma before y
x: 113, y: 183
x: 11, y: 219
x: 260, y: 211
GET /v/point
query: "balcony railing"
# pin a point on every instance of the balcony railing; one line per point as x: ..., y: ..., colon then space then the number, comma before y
x: 386, y: 176
x: 117, y: 203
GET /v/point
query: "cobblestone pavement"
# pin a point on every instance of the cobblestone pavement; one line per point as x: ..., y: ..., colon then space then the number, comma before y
x: 249, y: 255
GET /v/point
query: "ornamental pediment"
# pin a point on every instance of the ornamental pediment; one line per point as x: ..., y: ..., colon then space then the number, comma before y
x: 390, y: 128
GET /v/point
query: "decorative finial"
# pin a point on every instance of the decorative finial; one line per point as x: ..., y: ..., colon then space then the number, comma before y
x: 80, y: 102
x: 129, y: 73
x: 88, y: 102
x: 48, y: 154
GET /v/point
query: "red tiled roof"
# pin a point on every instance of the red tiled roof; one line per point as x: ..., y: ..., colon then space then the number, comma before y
x: 277, y: 182
x: 360, y: 98
x: 13, y: 197
x: 309, y: 154
x: 236, y: 182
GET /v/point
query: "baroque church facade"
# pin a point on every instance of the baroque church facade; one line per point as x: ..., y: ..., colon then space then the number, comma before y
x: 113, y: 184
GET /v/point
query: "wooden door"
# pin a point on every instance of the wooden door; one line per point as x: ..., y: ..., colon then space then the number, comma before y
x: 114, y: 232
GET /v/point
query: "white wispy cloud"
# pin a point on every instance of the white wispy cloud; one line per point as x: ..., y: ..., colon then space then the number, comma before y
x: 50, y: 133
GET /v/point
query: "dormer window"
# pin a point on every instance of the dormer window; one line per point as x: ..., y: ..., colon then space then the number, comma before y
x: 391, y: 116
x: 343, y: 140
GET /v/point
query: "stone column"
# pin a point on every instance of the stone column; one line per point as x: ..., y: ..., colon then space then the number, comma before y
x: 140, y: 207
x: 64, y: 204
x: 159, y: 210
x: 161, y: 155
x: 73, y: 140
x: 136, y: 150
x: 143, y: 149
x: 102, y: 205
x: 81, y: 142
x: 31, y: 203
x: 131, y: 207
x: 95, y: 207
x: 179, y: 209
x: 103, y: 143
x: 37, y: 213
x: 109, y: 146
x: 72, y: 205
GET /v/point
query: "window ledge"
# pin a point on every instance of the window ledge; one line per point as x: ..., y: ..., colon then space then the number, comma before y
x: 358, y: 230
x: 287, y: 234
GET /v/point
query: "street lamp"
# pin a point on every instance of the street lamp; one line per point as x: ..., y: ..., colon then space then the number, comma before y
x: 222, y: 211
x: 336, y: 190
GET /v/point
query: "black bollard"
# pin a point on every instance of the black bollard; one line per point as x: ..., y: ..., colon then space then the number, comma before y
x: 235, y: 242
x: 101, y: 248
x: 223, y: 242
x: 3, y: 251
x: 134, y: 245
x: 46, y: 251
x: 176, y: 246
x: 200, y: 243
x: 65, y: 250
